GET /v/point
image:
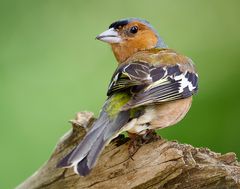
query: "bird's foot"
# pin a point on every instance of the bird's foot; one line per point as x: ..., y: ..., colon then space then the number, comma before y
x: 136, y: 141
x: 151, y: 136
x: 121, y: 139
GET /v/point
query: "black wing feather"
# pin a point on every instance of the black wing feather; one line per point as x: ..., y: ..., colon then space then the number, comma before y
x: 153, y: 84
x: 129, y: 75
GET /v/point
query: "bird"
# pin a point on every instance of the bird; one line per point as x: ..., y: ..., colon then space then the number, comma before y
x: 151, y: 89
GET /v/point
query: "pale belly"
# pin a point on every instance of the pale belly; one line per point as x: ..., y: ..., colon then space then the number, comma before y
x: 160, y: 116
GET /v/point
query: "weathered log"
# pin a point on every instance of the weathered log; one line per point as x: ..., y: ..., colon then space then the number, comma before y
x: 160, y: 164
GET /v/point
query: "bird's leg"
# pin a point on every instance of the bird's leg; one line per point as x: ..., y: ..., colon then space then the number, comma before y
x: 135, y: 144
x: 136, y: 141
x: 150, y: 136
x: 120, y: 140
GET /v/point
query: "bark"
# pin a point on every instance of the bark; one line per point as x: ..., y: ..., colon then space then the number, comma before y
x: 160, y: 164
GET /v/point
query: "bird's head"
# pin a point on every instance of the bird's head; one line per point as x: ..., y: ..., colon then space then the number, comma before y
x: 128, y: 36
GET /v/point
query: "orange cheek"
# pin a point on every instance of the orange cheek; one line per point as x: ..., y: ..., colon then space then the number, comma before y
x: 146, y: 40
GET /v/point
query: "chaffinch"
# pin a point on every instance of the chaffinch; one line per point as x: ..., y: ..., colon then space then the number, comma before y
x: 151, y: 89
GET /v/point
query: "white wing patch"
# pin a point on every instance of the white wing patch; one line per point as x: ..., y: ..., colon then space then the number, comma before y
x: 184, y: 82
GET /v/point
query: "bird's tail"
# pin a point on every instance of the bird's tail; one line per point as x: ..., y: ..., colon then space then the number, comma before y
x: 107, y: 126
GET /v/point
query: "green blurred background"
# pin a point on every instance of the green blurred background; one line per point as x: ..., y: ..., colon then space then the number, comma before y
x: 52, y: 67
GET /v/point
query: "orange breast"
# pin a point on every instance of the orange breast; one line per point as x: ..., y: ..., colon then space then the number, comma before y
x: 170, y: 113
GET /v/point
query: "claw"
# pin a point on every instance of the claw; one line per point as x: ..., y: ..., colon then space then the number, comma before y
x: 136, y: 141
x: 120, y: 140
x: 151, y: 136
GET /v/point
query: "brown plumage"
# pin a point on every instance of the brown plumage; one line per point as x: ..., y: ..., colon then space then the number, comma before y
x: 141, y: 47
x: 144, y: 39
x: 168, y: 113
x: 151, y: 89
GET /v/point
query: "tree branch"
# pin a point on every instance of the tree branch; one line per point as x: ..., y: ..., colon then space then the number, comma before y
x: 161, y: 164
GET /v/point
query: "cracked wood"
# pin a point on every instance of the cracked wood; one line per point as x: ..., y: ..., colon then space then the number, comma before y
x: 161, y: 164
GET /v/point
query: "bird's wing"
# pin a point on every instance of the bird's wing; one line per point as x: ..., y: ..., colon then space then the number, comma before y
x: 129, y: 75
x: 173, y: 84
x: 157, y: 83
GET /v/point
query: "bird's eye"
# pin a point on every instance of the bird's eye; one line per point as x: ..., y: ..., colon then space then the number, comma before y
x: 134, y: 29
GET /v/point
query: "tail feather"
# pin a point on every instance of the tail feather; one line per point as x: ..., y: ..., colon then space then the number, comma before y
x: 85, y: 165
x: 81, y: 168
x: 64, y: 162
x: 86, y: 144
x: 85, y: 155
x: 95, y: 151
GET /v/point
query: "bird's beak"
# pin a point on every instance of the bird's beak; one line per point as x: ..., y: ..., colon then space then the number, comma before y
x: 110, y: 36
